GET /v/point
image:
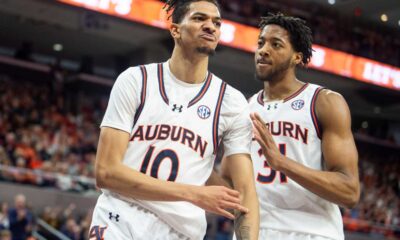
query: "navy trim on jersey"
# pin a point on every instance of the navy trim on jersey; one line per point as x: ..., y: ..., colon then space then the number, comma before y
x: 217, y: 115
x: 142, y: 95
x: 160, y: 74
x: 202, y: 92
x: 296, y: 93
x: 317, y: 125
x: 260, y: 97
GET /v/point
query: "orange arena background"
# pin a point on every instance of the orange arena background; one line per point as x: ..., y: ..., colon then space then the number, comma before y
x: 244, y: 37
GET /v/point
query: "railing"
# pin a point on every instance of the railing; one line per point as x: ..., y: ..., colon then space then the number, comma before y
x: 40, y: 67
x: 368, y: 228
x: 38, y: 236
x: 47, y: 179
x: 45, y: 231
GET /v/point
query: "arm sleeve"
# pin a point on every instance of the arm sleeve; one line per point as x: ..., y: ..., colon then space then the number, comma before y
x: 124, y: 101
x: 238, y: 134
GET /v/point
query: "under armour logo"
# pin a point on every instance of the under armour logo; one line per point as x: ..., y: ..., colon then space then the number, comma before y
x: 111, y: 216
x: 176, y: 108
x: 269, y: 106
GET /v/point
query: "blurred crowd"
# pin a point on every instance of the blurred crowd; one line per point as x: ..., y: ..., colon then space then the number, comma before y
x: 37, y: 132
x: 330, y: 28
x: 18, y: 222
x: 378, y: 211
x: 49, y: 139
x: 71, y: 224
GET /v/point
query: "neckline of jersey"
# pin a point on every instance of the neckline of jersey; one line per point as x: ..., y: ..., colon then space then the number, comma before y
x: 181, y: 82
x: 263, y: 99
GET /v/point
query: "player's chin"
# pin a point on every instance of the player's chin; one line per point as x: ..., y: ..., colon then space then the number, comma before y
x: 261, y: 72
x: 206, y: 50
x: 262, y: 76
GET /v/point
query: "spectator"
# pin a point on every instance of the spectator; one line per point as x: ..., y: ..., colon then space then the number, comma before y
x: 71, y: 229
x: 5, y: 235
x: 4, y: 221
x: 21, y: 219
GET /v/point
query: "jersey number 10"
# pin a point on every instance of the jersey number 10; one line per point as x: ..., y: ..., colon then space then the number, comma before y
x: 161, y: 156
x: 265, y: 179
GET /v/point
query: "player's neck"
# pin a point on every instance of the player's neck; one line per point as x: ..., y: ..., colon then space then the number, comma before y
x: 190, y: 69
x: 282, y: 88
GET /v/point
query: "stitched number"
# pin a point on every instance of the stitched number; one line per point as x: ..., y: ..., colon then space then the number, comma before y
x: 161, y: 156
x: 97, y: 233
x: 266, y: 179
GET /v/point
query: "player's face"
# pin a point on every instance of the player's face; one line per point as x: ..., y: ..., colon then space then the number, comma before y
x: 274, y: 55
x: 200, y: 28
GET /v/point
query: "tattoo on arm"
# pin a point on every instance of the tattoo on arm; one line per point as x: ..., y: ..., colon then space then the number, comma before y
x: 241, y: 230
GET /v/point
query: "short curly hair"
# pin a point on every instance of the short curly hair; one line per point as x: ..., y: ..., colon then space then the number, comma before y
x: 299, y: 33
x: 181, y: 7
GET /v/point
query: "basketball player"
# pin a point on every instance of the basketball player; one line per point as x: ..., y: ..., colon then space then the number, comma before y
x: 304, y: 156
x: 159, y: 137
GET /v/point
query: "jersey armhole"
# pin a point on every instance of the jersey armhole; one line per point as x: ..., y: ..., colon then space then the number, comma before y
x: 314, y: 117
x: 217, y: 114
x: 142, y: 94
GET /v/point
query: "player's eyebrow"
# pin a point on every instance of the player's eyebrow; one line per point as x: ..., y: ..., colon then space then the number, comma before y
x: 218, y: 18
x: 278, y: 40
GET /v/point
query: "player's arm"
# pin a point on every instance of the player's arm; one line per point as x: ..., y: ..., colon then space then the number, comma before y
x: 112, y: 174
x: 338, y: 182
x: 239, y: 169
x: 237, y: 166
x: 215, y: 179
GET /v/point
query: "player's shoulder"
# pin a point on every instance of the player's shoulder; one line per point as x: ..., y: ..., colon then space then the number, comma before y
x: 323, y: 94
x: 326, y: 92
x: 136, y: 73
x: 257, y: 97
x: 320, y: 93
x: 129, y: 73
x: 132, y: 78
x: 329, y: 98
x: 317, y: 89
x: 231, y: 94
x: 330, y: 106
x: 234, y: 94
x: 143, y: 67
x: 151, y: 66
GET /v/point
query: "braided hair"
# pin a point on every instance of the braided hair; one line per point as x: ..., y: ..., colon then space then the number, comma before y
x: 181, y: 7
x: 299, y: 33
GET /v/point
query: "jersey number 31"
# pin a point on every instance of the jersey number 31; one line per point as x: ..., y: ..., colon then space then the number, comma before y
x: 265, y: 179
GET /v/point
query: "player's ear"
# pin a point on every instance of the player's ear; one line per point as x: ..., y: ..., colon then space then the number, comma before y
x: 298, y: 58
x: 175, y: 31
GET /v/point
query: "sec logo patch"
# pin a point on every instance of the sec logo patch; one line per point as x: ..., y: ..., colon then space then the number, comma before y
x: 204, y: 112
x: 298, y: 104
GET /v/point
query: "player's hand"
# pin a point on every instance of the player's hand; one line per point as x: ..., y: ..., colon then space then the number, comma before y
x: 218, y: 200
x: 267, y: 143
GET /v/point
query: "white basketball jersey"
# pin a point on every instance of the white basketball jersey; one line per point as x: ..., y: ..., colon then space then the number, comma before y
x: 284, y: 204
x: 177, y: 141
